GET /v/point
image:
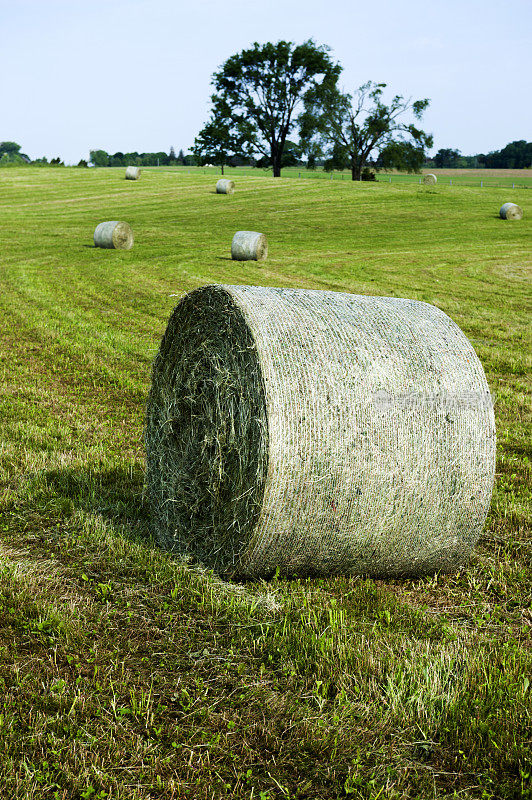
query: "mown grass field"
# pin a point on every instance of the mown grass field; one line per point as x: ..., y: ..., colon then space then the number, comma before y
x: 494, y: 178
x: 125, y: 674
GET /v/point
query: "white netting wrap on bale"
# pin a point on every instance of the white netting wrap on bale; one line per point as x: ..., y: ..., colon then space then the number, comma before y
x: 429, y: 179
x: 225, y: 186
x: 511, y: 211
x: 249, y: 246
x: 113, y: 235
x: 132, y: 173
x: 317, y: 432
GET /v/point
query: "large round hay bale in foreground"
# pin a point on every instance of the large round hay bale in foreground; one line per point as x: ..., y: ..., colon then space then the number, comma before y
x: 132, y: 173
x: 225, y: 186
x: 429, y: 179
x: 113, y: 235
x: 511, y: 211
x: 249, y: 246
x: 318, y: 433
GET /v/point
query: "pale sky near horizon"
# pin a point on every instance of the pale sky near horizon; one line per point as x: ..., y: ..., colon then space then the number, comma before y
x: 135, y: 75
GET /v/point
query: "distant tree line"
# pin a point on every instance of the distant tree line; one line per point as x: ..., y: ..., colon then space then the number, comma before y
x: 100, y: 158
x: 516, y: 155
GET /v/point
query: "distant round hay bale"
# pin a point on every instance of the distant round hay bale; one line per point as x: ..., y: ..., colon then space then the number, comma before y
x: 132, y: 173
x: 318, y: 433
x: 511, y: 211
x: 429, y: 179
x: 249, y: 246
x: 225, y: 186
x: 113, y: 235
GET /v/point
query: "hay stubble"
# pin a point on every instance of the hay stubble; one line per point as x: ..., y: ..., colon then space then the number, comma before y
x: 445, y: 655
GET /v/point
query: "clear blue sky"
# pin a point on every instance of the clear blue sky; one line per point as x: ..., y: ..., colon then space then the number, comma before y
x: 136, y: 75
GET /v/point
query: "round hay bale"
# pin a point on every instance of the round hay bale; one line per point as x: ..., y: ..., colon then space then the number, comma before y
x: 132, y: 173
x: 429, y: 179
x: 249, y: 246
x: 511, y: 211
x: 318, y: 433
x: 113, y: 235
x: 225, y: 186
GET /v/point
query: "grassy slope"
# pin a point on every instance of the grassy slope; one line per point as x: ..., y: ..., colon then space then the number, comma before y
x: 521, y: 178
x: 126, y: 675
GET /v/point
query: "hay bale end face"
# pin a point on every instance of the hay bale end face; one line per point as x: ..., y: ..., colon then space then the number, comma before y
x: 511, y: 211
x: 113, y: 235
x: 225, y: 186
x: 132, y: 173
x: 318, y: 433
x: 249, y: 246
x: 429, y: 179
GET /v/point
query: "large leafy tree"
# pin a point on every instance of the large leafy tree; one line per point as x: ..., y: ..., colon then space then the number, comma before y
x: 217, y: 142
x: 9, y: 147
x: 10, y: 154
x: 100, y: 158
x: 360, y: 127
x: 447, y: 157
x: 261, y: 93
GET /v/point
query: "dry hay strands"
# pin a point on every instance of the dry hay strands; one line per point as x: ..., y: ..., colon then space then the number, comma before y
x: 225, y: 186
x: 249, y: 246
x: 430, y: 179
x: 113, y: 235
x: 318, y: 433
x: 511, y: 211
x: 132, y: 173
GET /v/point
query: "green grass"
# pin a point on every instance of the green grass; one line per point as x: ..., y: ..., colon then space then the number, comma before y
x: 494, y: 178
x: 125, y: 674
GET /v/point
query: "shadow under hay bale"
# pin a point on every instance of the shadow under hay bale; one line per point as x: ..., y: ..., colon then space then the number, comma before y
x: 318, y: 433
x: 132, y: 173
x: 429, y: 179
x: 113, y: 235
x: 511, y: 211
x: 225, y: 186
x: 249, y: 246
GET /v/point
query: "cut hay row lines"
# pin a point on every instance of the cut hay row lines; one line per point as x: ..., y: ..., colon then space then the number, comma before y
x: 314, y: 685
